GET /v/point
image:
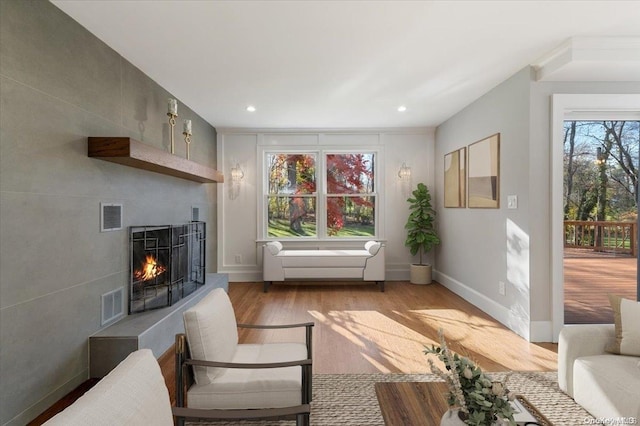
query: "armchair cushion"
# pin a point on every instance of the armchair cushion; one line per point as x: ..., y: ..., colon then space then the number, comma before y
x: 627, y: 325
x: 238, y: 388
x: 212, y: 333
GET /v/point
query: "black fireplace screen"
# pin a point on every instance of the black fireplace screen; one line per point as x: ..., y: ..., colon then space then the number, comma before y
x: 167, y: 264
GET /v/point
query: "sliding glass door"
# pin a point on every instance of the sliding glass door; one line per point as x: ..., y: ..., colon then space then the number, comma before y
x: 600, y: 214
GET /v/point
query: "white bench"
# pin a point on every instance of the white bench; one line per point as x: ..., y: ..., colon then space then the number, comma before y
x: 366, y: 264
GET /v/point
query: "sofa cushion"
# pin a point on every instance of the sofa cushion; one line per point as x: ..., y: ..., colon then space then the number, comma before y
x: 626, y: 314
x: 132, y: 394
x: 254, y: 388
x: 607, y: 385
x: 212, y: 333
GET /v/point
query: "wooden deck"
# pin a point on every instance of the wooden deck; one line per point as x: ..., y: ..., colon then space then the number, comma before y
x: 588, y: 278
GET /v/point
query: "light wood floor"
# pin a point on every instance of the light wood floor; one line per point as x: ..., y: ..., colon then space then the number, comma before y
x: 358, y: 329
x: 361, y: 330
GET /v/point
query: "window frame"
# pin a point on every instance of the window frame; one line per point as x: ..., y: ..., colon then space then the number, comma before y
x: 321, y: 195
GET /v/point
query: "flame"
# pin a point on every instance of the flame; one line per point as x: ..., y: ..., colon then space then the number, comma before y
x: 150, y: 269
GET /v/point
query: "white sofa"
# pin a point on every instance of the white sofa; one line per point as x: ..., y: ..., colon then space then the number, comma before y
x: 132, y: 394
x: 365, y: 264
x: 606, y: 385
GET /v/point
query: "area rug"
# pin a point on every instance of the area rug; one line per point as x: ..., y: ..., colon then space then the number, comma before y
x: 350, y: 399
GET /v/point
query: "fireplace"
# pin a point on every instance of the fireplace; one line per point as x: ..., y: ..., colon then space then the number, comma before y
x: 167, y: 264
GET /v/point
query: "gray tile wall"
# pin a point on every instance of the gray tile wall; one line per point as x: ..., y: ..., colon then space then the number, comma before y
x: 58, y: 85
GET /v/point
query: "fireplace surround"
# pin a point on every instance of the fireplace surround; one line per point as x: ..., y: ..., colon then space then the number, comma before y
x: 167, y: 263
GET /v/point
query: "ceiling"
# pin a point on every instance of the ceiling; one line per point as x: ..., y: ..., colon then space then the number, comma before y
x: 337, y: 64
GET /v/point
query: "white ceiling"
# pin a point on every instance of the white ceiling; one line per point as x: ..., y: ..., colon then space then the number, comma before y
x: 333, y: 64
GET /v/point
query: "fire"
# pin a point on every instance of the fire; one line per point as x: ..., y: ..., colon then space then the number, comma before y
x: 150, y: 269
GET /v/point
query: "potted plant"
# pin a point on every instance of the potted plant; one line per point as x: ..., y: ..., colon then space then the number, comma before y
x: 421, y: 232
x: 474, y: 398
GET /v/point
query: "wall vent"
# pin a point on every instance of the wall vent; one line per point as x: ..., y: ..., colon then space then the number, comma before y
x: 110, y: 217
x: 195, y: 214
x: 112, y: 305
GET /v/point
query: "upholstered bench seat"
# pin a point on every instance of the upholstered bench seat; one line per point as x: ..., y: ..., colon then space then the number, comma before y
x: 366, y: 264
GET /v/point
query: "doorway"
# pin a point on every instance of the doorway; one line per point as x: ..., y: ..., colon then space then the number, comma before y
x: 600, y: 216
x: 574, y: 107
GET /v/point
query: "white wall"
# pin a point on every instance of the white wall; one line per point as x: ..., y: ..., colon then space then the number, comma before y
x: 481, y: 247
x: 238, y: 217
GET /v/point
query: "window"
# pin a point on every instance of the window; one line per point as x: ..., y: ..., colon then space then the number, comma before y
x: 292, y: 197
x: 350, y: 196
x: 335, y: 199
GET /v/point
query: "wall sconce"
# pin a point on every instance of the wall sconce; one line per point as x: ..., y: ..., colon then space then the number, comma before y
x: 404, y: 173
x: 236, y: 174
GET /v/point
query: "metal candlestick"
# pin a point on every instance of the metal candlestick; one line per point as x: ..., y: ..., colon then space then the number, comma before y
x: 187, y: 140
x: 172, y: 123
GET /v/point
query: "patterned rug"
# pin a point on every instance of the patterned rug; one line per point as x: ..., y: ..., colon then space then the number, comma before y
x: 350, y: 399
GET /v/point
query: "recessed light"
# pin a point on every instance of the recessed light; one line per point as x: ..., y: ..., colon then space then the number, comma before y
x: 402, y: 108
x: 251, y: 108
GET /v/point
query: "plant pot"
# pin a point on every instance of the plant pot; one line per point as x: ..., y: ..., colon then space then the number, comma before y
x: 420, y: 274
x: 452, y: 417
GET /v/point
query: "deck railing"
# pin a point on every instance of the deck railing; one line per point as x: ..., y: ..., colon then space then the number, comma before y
x: 618, y: 237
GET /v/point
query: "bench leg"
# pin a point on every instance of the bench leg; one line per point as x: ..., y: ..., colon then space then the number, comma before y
x: 381, y: 284
x: 266, y: 286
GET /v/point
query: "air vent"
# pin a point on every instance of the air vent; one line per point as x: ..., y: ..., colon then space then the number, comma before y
x: 195, y: 214
x: 110, y: 217
x: 112, y: 305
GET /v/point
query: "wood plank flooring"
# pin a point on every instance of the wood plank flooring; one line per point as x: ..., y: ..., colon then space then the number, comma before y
x: 361, y: 330
x: 358, y: 329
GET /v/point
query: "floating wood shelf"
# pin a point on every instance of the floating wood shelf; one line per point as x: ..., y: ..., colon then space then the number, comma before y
x: 133, y: 153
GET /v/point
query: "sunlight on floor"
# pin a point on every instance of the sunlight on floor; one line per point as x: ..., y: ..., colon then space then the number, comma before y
x: 393, y: 341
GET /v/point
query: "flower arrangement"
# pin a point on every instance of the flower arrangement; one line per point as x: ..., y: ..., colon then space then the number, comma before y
x: 480, y: 400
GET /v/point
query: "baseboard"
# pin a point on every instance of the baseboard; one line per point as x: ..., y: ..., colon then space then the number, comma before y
x: 542, y: 331
x: 56, y: 395
x: 508, y: 317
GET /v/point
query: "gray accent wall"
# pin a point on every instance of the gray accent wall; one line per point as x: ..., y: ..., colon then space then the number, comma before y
x: 59, y: 84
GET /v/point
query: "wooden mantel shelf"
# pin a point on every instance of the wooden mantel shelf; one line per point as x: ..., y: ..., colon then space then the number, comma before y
x: 133, y: 153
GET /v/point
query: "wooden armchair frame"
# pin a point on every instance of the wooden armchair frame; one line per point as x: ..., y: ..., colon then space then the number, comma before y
x: 184, y: 379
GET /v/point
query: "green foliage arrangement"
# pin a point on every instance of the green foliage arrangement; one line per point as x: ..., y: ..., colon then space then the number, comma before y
x: 421, y: 232
x: 480, y: 400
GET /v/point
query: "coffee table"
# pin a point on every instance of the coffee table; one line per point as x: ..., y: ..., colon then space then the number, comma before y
x: 412, y: 403
x: 424, y: 403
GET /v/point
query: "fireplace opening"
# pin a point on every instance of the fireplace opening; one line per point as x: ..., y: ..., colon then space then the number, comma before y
x: 167, y: 264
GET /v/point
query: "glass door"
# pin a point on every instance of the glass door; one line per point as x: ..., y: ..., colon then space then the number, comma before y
x: 600, y: 217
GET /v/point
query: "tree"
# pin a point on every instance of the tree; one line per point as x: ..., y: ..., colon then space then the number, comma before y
x: 348, y: 174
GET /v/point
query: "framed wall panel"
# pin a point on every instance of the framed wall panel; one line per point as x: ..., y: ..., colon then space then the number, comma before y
x: 455, y: 178
x: 484, y: 173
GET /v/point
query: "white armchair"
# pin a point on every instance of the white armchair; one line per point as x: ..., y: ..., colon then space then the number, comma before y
x: 234, y: 381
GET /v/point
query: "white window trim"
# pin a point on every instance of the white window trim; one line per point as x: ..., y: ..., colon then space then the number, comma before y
x: 321, y: 152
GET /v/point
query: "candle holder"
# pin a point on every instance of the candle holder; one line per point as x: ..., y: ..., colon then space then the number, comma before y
x: 187, y: 140
x: 172, y: 123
